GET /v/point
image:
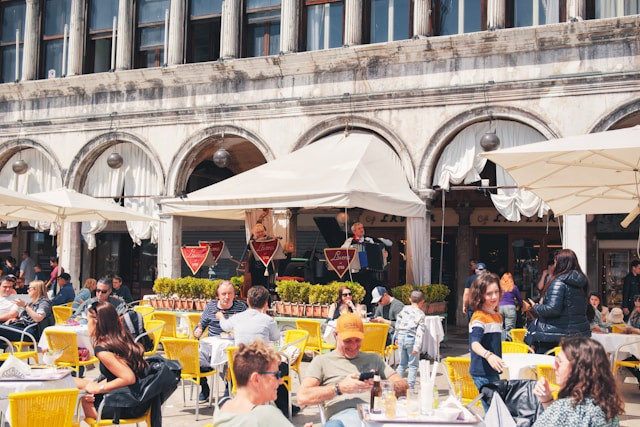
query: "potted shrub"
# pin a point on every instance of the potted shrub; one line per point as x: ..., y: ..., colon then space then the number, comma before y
x: 434, y: 296
x: 294, y: 296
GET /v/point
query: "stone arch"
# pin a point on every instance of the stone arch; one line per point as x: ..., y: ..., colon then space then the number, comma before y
x: 441, y: 138
x: 184, y: 162
x: 622, y: 112
x: 339, y: 123
x: 85, y: 158
x: 9, y: 148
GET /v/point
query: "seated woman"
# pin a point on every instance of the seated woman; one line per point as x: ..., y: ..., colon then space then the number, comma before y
x: 633, y: 324
x: 344, y: 304
x: 37, y: 311
x: 588, y: 393
x: 600, y: 312
x: 121, y: 361
x: 88, y: 291
x: 257, y: 380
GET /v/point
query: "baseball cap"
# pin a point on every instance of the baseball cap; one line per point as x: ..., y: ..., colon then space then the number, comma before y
x: 481, y: 266
x: 349, y: 325
x: 65, y: 276
x: 377, y: 294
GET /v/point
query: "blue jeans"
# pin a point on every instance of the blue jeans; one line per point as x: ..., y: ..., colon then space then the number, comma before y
x: 480, y: 381
x: 348, y: 417
x: 407, y: 358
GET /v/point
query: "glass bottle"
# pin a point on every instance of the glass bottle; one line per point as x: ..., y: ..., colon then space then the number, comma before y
x: 376, y: 396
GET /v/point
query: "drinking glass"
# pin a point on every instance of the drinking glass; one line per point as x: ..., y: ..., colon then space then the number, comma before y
x: 49, y: 357
x: 389, y: 399
x: 457, y: 390
x: 413, y: 402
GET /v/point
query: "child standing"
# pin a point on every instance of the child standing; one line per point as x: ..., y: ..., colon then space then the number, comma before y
x: 485, y: 330
x: 408, y: 335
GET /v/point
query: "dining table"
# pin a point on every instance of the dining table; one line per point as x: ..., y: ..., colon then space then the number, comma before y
x: 522, y: 366
x: 81, y: 330
x: 612, y: 341
x: 219, y: 358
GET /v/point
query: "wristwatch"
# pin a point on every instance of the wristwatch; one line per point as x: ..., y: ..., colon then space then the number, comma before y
x: 337, y: 389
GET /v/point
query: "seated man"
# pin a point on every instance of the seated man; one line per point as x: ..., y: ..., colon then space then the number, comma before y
x: 332, y: 378
x: 228, y: 306
x: 387, y: 310
x: 103, y: 294
x: 66, y: 293
x: 121, y: 290
x: 252, y: 323
x: 8, y: 309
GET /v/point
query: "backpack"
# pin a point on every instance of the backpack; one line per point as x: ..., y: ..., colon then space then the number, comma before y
x: 133, y: 322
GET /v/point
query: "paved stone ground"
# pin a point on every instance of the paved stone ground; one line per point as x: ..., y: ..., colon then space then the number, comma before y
x: 177, y: 415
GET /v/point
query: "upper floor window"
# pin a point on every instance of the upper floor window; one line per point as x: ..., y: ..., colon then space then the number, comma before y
x: 389, y: 20
x: 100, y: 35
x: 615, y: 8
x: 57, y: 14
x: 458, y: 16
x: 150, y: 33
x: 527, y: 13
x: 325, y: 23
x: 263, y: 27
x: 203, y: 33
x: 12, y: 42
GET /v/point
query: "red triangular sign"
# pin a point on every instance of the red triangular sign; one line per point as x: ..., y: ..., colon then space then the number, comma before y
x: 264, y: 250
x: 194, y: 256
x: 339, y: 259
x: 216, y: 248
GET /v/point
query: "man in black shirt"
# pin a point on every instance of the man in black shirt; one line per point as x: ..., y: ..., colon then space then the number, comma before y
x: 631, y: 287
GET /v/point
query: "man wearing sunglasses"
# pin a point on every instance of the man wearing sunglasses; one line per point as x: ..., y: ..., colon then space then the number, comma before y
x: 104, y: 288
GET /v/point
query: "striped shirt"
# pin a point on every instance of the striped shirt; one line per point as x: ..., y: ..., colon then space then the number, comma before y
x: 486, y: 328
x: 209, y: 318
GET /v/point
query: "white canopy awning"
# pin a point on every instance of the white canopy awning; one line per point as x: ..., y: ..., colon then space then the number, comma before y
x: 359, y: 170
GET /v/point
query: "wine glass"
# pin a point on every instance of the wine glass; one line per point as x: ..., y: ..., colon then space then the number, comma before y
x: 50, y: 356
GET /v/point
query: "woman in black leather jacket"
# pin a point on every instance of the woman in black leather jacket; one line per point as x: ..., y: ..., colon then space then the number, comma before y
x: 562, y: 310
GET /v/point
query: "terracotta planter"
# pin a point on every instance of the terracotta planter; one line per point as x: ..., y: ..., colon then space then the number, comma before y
x: 287, y: 308
x: 154, y: 302
x: 297, y: 310
x: 324, y: 311
x: 436, y: 307
x: 279, y: 307
x: 316, y: 310
x: 200, y: 304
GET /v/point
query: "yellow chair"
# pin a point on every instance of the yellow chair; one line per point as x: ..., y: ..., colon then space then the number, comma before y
x: 314, y: 342
x: 43, y: 407
x: 617, y: 364
x: 61, y: 313
x: 186, y: 352
x: 231, y: 375
x: 517, y: 335
x: 194, y: 319
x: 23, y: 355
x: 95, y: 422
x: 170, y: 322
x: 515, y: 347
x: 296, y: 338
x: 145, y: 310
x: 458, y: 370
x: 549, y: 373
x: 375, y: 338
x: 26, y: 338
x: 154, y: 331
x: 554, y: 351
x: 67, y: 341
x: 618, y: 328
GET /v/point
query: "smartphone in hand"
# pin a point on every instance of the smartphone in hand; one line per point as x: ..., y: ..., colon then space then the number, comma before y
x: 366, y: 375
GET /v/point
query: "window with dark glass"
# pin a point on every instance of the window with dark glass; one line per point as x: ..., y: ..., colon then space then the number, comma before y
x: 263, y: 27
x: 324, y: 24
x: 600, y: 9
x: 100, y: 35
x: 203, y: 33
x: 388, y: 20
x: 150, y: 33
x: 458, y: 16
x: 57, y: 14
x: 527, y: 13
x: 12, y: 27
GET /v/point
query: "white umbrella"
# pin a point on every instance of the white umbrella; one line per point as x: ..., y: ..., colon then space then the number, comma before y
x: 12, y: 202
x: 588, y: 174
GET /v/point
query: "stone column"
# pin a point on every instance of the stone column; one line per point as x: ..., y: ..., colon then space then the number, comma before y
x: 71, y: 246
x: 31, y: 40
x: 576, y: 10
x: 175, y: 55
x: 495, y: 14
x: 289, y: 26
x: 463, y: 250
x: 352, y: 22
x: 421, y: 13
x: 124, y: 44
x: 230, y: 37
x: 574, y: 237
x: 76, y: 36
x: 169, y: 242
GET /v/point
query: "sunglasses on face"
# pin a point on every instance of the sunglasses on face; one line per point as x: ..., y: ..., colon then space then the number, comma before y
x: 274, y: 373
x: 346, y: 294
x: 102, y: 291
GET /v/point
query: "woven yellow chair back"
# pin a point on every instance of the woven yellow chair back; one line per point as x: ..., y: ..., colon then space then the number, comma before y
x: 314, y: 342
x: 43, y: 407
x: 547, y: 372
x: 67, y: 340
x: 145, y: 310
x: 300, y: 338
x: 517, y: 334
x: 375, y: 338
x: 155, y: 336
x: 61, y: 314
x: 144, y: 418
x: 185, y: 351
x: 554, y: 351
x: 515, y: 347
x: 618, y: 328
x: 169, y: 330
x: 194, y: 318
x: 458, y: 370
x: 231, y: 354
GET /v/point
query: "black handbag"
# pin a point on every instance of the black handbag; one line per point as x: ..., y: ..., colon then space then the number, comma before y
x: 530, y: 335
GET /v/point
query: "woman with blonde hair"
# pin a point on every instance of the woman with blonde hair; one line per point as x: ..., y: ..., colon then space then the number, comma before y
x: 88, y: 291
x: 510, y: 299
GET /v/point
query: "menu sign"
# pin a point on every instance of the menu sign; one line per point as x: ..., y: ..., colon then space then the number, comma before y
x: 339, y: 259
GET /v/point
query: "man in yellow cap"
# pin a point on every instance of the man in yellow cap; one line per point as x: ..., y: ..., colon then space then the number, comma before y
x: 332, y: 378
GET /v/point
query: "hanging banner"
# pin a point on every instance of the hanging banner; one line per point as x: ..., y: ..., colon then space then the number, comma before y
x: 194, y: 256
x: 264, y: 250
x: 217, y: 250
x: 339, y: 259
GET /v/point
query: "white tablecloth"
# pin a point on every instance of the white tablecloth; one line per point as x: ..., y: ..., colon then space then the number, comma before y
x: 521, y: 366
x: 218, y: 349
x: 611, y: 342
x: 82, y: 331
x: 7, y: 387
